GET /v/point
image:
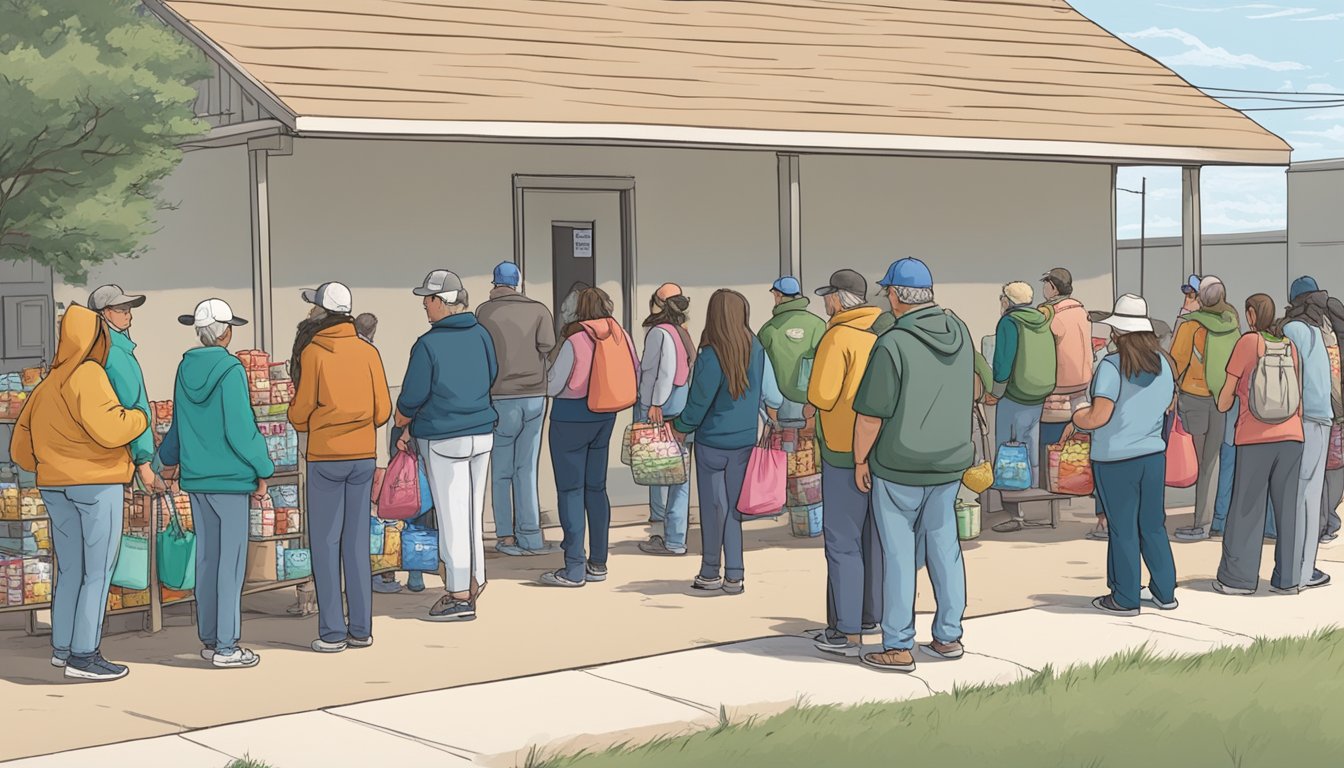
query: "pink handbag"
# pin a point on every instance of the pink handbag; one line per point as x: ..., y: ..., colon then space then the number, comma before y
x: 767, y: 471
x: 1182, y: 467
x: 399, y: 498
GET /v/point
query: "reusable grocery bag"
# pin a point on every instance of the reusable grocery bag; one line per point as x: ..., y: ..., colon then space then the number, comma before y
x: 298, y: 564
x: 1070, y: 471
x: 1334, y: 457
x: 400, y: 495
x: 1012, y: 467
x: 176, y: 549
x: 419, y: 549
x: 656, y: 458
x: 376, y: 537
x: 1182, y: 467
x: 980, y: 477
x: 763, y: 489
x: 132, y: 570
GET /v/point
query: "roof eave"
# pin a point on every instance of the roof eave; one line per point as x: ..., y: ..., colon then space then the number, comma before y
x: 611, y: 134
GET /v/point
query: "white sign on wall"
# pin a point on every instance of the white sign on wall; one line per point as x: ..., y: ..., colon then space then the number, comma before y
x: 583, y: 243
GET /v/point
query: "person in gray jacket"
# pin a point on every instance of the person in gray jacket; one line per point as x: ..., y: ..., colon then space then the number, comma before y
x: 523, y: 333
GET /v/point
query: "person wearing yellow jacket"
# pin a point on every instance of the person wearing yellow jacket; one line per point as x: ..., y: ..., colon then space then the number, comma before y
x: 74, y: 434
x: 853, y: 550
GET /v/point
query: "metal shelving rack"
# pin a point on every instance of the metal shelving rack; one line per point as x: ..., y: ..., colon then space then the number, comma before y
x: 7, y: 428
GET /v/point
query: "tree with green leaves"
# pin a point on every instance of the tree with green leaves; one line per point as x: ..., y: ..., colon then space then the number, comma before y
x: 96, y: 97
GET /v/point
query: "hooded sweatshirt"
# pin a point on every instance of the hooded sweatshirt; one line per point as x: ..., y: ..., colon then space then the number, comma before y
x: 1073, y: 344
x: 789, y: 336
x: 446, y: 390
x: 128, y: 381
x: 523, y: 333
x: 1024, y: 356
x: 73, y: 430
x: 842, y: 358
x: 920, y: 383
x: 214, y: 437
x: 573, y: 369
x: 1201, y: 348
x: 342, y: 399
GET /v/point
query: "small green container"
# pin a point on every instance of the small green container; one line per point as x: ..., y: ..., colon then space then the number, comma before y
x: 968, y: 520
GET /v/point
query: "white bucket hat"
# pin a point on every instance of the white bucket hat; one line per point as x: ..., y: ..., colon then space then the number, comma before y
x: 1130, y: 315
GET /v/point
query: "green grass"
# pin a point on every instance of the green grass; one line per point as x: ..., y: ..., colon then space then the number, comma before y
x: 248, y: 762
x: 1276, y: 703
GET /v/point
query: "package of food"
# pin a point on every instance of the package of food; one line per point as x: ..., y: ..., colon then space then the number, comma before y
x: 805, y: 522
x: 31, y: 377
x: 656, y: 458
x: 1070, y: 467
x: 802, y: 491
x: 261, y: 563
x: 9, y: 502
x: 254, y: 359
x: 285, y: 495
x: 168, y: 595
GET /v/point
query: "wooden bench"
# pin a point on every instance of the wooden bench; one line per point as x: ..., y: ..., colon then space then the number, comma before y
x: 1012, y: 501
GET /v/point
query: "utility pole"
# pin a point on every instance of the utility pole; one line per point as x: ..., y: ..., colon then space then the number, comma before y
x: 1142, y: 192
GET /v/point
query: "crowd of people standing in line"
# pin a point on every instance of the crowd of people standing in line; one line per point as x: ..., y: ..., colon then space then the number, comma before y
x: 888, y: 392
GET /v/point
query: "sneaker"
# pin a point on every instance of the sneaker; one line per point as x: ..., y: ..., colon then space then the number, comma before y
x: 870, y: 627
x: 707, y: 585
x: 360, y: 642
x: 1099, y: 534
x: 450, y: 609
x: 415, y: 581
x: 1329, y: 538
x: 384, y: 587
x: 1107, y: 604
x: 950, y: 651
x: 59, y: 659
x: 1146, y: 596
x: 1293, y: 590
x: 558, y: 579
x: 1223, y: 589
x: 94, y: 669
x: 1318, y: 578
x: 594, y: 572
x: 656, y: 545
x: 242, y: 658
x: 838, y: 643
x: 512, y: 550
x: 322, y: 646
x: 890, y: 660
x: 734, y: 587
x: 207, y: 654
x: 1009, y: 526
x: 1192, y: 534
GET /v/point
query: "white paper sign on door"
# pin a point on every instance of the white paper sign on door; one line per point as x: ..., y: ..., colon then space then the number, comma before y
x: 583, y: 243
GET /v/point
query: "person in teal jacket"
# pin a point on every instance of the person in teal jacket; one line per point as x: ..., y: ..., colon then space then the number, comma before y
x: 123, y: 371
x: 219, y: 457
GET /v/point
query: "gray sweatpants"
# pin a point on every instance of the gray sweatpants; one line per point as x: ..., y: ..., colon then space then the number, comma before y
x: 1311, y: 492
x: 853, y: 553
x: 338, y: 531
x: 1263, y: 473
x: 1206, y: 425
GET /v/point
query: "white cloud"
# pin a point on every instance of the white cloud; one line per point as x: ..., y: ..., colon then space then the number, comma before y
x: 1333, y: 133
x: 1283, y: 13
x: 1274, y: 11
x: 1328, y: 113
x: 1199, y: 54
x: 1326, y: 17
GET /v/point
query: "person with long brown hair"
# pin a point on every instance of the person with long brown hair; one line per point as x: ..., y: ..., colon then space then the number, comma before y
x: 733, y: 378
x: 1132, y: 392
x: 594, y: 377
x: 1264, y: 381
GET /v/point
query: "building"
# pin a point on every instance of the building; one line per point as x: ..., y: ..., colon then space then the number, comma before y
x: 1315, y: 228
x: 716, y: 145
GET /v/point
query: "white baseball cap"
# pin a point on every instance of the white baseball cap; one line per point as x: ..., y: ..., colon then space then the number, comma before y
x: 333, y: 297
x: 212, y: 311
x: 1130, y: 315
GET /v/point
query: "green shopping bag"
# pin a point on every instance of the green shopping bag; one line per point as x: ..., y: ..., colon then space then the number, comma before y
x: 132, y: 570
x: 176, y: 550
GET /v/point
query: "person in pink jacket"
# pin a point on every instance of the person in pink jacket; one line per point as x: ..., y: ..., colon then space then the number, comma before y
x: 1072, y: 329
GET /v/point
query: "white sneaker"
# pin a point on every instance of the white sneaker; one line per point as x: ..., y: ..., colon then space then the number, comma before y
x: 322, y: 646
x: 1146, y: 596
x: 239, y: 659
x: 58, y: 662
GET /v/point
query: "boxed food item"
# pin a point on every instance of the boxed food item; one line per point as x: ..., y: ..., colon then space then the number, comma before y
x: 10, y: 505
x: 805, y: 522
x: 802, y: 491
x: 31, y: 506
x: 25, y: 538
x: 173, y: 595
x: 35, y: 581
x: 11, y: 382
x: 135, y: 599
x: 261, y: 562
x: 114, y: 600
x: 254, y: 359
x: 285, y: 496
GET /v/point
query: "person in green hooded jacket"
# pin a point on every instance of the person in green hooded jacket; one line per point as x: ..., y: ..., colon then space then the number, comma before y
x: 790, y: 339
x: 219, y: 457
x: 1024, y: 375
x: 124, y: 373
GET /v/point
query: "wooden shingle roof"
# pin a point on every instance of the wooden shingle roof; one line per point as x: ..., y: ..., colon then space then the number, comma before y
x: 1031, y: 77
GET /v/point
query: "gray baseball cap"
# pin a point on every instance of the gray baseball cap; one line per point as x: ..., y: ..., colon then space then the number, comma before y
x: 112, y: 296
x: 846, y: 280
x: 439, y: 281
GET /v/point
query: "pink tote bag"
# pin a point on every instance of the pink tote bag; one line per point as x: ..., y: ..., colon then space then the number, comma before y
x: 767, y: 470
x: 1182, y: 467
x: 399, y: 498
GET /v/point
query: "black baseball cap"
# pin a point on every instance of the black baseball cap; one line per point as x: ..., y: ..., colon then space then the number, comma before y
x: 846, y: 280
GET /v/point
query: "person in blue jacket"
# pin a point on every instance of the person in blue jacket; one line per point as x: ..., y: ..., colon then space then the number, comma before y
x: 732, y: 379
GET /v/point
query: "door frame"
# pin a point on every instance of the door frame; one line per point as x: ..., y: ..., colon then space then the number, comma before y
x: 624, y: 186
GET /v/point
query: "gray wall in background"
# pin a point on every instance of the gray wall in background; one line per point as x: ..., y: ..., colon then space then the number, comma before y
x: 1316, y: 222
x: 1254, y: 262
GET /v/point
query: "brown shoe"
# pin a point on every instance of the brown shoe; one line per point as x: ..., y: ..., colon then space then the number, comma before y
x: 949, y: 651
x: 891, y: 660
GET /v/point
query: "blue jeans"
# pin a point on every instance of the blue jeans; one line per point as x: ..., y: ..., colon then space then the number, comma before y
x: 86, y: 534
x: 670, y: 504
x: 221, y: 559
x: 1014, y: 421
x: 579, y: 453
x: 720, y: 475
x: 338, y: 531
x: 1134, y: 491
x: 853, y: 553
x: 907, y: 517
x: 1227, y: 467
x: 513, y: 470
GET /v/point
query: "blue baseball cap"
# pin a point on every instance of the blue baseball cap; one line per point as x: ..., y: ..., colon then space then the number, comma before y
x: 1191, y: 284
x: 787, y: 286
x: 907, y: 273
x: 507, y: 274
x: 1302, y: 285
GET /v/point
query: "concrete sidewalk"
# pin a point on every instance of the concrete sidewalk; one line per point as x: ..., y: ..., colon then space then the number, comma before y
x: 498, y: 723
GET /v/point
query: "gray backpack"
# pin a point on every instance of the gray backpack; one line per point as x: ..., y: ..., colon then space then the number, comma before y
x: 1276, y: 391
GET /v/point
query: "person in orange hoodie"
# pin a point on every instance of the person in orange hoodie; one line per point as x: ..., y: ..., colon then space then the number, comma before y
x: 74, y: 434
x: 340, y: 401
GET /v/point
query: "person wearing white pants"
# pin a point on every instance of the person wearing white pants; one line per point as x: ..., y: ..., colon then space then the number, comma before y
x: 459, y: 474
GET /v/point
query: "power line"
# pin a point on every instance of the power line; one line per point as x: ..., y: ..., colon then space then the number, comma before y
x: 1272, y: 93
x: 1270, y: 98
x: 1340, y: 105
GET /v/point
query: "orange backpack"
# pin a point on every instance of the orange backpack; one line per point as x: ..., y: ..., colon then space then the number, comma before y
x: 612, y: 385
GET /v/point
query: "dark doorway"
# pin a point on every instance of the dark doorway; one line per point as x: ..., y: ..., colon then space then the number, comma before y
x: 573, y: 261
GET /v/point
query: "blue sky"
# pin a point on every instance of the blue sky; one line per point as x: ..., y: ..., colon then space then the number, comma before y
x: 1281, y: 46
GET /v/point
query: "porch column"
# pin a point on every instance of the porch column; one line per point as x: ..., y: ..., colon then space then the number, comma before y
x: 1192, y: 228
x: 790, y: 218
x: 258, y: 167
x: 1115, y: 240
